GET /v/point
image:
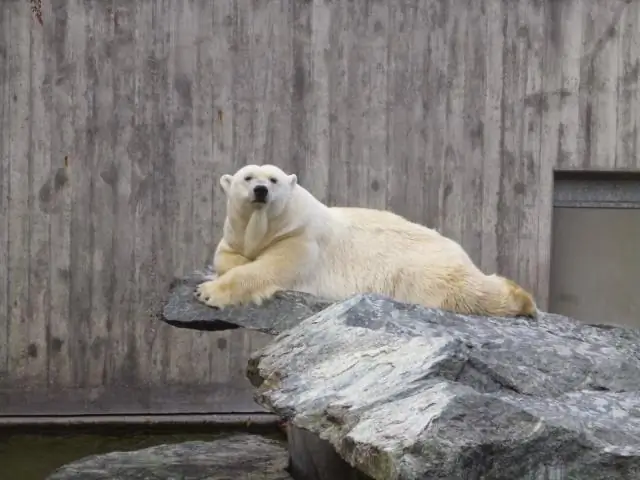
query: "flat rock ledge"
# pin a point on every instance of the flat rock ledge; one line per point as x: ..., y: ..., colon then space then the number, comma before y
x: 275, y: 315
x: 404, y: 392
x: 236, y: 457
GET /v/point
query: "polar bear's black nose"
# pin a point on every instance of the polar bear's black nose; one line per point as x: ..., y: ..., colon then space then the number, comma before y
x: 260, y: 192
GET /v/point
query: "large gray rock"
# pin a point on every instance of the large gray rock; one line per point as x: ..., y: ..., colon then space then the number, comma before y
x: 275, y: 315
x: 237, y: 457
x: 404, y: 392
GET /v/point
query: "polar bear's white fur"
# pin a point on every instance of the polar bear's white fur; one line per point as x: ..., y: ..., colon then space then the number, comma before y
x: 286, y: 239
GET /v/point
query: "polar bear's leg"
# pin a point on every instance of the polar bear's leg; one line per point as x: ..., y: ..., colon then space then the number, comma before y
x: 433, y: 285
x: 462, y: 290
x: 225, y: 259
x: 276, y: 269
x: 413, y: 286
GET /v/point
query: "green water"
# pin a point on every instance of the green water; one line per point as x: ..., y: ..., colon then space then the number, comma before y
x: 34, y: 457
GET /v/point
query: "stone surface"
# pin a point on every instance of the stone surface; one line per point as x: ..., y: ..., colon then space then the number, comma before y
x: 275, y: 315
x: 404, y: 392
x: 236, y: 457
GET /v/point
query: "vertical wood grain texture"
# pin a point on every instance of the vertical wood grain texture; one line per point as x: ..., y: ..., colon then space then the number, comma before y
x: 5, y: 183
x: 117, y: 119
x: 628, y: 89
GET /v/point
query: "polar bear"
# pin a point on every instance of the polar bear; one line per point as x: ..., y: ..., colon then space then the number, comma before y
x: 278, y: 236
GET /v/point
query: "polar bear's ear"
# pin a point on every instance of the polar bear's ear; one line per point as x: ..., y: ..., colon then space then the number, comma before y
x: 225, y: 182
x: 293, y: 180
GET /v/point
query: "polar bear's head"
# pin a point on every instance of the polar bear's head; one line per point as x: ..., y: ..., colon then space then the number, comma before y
x: 259, y: 186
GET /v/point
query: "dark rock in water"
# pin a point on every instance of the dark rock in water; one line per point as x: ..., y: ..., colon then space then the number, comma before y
x: 405, y: 392
x: 275, y: 315
x: 237, y: 457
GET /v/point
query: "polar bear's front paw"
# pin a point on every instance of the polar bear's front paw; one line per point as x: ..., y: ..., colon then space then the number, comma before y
x: 214, y: 294
x: 220, y: 294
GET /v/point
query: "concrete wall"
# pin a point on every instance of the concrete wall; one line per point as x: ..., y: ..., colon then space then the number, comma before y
x: 117, y: 118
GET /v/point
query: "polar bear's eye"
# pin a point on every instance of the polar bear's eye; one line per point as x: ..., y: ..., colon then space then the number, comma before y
x: 273, y: 180
x: 248, y: 178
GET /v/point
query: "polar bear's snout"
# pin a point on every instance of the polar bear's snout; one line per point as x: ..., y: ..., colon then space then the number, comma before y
x: 260, y: 193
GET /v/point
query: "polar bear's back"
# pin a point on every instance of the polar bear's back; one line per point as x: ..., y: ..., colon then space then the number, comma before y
x: 380, y: 231
x: 370, y: 250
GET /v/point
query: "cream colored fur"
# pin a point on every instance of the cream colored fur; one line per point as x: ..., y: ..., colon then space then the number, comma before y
x: 295, y: 242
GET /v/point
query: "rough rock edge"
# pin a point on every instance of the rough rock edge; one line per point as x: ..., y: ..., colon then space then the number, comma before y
x: 275, y: 315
